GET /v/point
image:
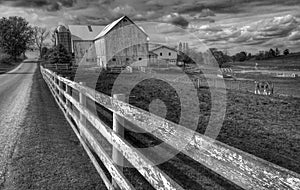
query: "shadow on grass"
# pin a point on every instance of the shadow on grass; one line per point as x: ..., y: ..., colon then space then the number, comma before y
x: 21, y: 73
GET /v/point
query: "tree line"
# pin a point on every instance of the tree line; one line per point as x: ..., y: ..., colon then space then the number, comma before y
x: 17, y: 36
x: 222, y: 57
x: 242, y: 56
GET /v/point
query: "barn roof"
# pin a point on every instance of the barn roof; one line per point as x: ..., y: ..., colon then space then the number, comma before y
x: 110, y: 26
x: 84, y: 32
x: 163, y: 46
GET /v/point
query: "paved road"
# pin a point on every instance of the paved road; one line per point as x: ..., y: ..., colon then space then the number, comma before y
x: 38, y: 149
x: 14, y: 96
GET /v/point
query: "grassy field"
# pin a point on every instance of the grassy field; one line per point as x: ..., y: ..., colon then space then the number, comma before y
x: 287, y: 63
x: 267, y: 127
x: 266, y: 71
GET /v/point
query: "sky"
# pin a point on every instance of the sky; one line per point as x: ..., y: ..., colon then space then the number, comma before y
x: 229, y: 25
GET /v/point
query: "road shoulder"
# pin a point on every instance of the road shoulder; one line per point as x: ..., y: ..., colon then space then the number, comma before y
x: 48, y: 154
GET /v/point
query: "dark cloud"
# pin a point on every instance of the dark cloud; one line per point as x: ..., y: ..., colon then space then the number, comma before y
x: 161, y: 4
x: 53, y: 7
x: 175, y: 19
x: 46, y: 4
x: 229, y: 6
x: 67, y: 3
x: 180, y: 21
x: 224, y: 6
x: 31, y: 3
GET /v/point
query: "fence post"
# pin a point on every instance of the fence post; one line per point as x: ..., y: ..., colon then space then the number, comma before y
x: 198, y: 83
x: 60, y: 84
x: 55, y: 82
x: 68, y: 103
x: 82, y: 101
x: 118, y: 129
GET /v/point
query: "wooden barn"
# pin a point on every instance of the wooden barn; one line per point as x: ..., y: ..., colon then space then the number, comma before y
x: 82, y: 40
x: 122, y: 43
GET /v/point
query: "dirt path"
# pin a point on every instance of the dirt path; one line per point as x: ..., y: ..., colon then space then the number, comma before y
x: 48, y: 154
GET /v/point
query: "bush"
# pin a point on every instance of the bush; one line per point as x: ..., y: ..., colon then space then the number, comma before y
x: 59, y: 55
x: 5, y: 59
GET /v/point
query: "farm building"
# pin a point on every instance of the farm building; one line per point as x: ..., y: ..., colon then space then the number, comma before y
x: 120, y: 44
x: 63, y: 36
x: 82, y: 40
x: 152, y: 58
x: 166, y: 54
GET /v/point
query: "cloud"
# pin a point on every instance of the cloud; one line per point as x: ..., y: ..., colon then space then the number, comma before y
x: 254, y: 23
x: 206, y: 13
x: 53, y: 7
x: 123, y: 10
x: 44, y: 4
x: 295, y: 36
x: 175, y: 19
x: 271, y: 32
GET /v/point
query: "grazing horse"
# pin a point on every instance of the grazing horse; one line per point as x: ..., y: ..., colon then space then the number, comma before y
x: 264, y: 88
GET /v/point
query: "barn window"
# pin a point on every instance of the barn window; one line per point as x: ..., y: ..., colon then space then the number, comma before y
x: 127, y: 59
x: 170, y: 54
x: 160, y: 54
x: 114, y: 59
x: 140, y: 59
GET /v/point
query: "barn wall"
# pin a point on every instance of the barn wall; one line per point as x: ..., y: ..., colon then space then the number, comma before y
x: 100, y: 47
x: 126, y: 44
x: 84, y: 52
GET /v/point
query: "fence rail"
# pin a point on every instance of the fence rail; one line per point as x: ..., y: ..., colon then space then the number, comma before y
x: 244, y: 170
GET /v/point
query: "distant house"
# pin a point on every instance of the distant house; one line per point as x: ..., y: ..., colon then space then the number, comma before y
x: 167, y: 54
x: 122, y: 43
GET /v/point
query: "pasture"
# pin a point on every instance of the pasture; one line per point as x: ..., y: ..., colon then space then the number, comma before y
x: 267, y: 127
x: 266, y: 70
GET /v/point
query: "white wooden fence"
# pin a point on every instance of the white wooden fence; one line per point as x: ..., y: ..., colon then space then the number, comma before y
x: 244, y: 170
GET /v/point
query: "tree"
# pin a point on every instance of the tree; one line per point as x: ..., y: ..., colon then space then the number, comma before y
x: 249, y: 56
x: 59, y: 55
x: 44, y: 52
x: 218, y: 55
x: 272, y: 53
x: 40, y: 35
x: 277, y: 52
x: 242, y: 56
x: 286, y: 52
x: 16, y: 36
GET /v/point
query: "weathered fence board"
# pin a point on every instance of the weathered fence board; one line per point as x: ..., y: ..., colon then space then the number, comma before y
x: 85, y: 134
x: 245, y: 170
x: 154, y: 175
x: 91, y: 156
x: 215, y: 155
